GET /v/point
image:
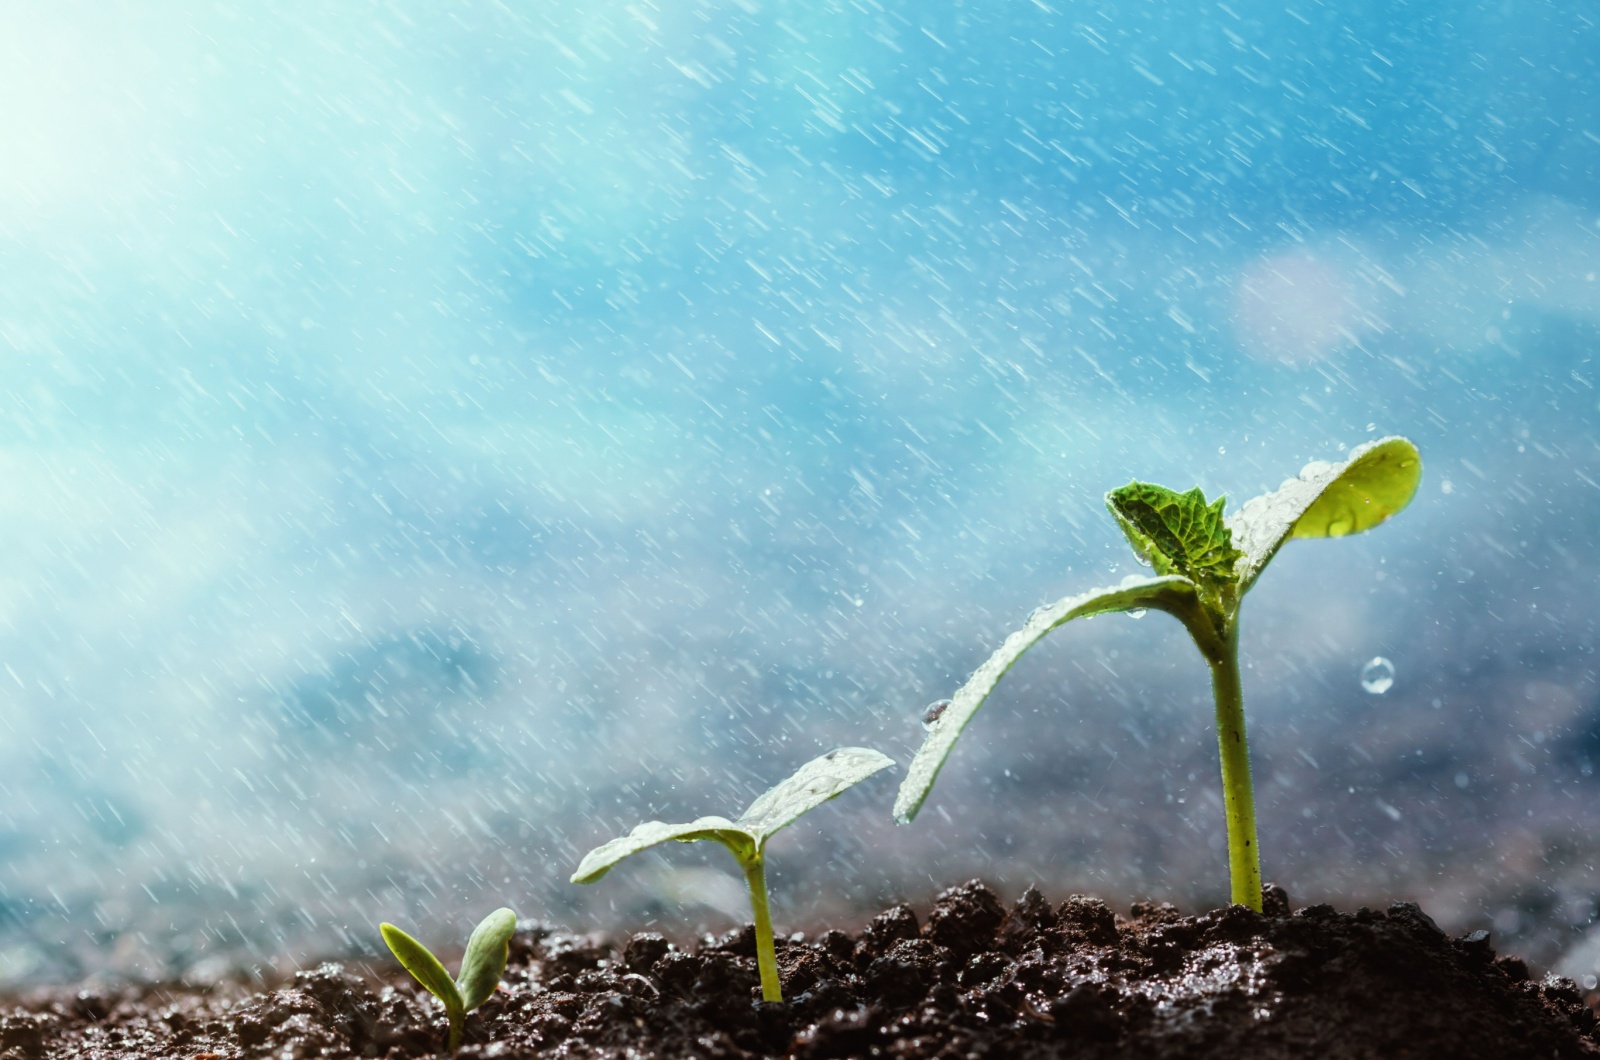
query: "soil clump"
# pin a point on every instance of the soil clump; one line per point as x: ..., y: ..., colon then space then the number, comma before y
x: 971, y: 979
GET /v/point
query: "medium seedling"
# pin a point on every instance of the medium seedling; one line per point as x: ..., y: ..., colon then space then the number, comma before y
x: 812, y: 785
x: 485, y: 959
x: 1204, y: 565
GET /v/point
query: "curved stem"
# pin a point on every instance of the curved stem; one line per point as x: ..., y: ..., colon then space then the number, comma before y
x: 1238, y: 798
x: 755, y: 875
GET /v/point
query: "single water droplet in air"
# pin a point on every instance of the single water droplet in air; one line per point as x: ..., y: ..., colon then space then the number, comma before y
x: 1377, y: 676
x: 932, y: 713
x: 1136, y: 612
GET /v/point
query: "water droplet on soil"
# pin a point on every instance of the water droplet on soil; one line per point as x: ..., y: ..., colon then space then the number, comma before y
x: 1377, y: 676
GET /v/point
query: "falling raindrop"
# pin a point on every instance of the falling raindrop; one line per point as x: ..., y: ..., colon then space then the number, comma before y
x: 1377, y: 676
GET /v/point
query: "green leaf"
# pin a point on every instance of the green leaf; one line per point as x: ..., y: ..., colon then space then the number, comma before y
x: 812, y: 785
x: 1327, y: 500
x: 424, y: 967
x: 1178, y: 533
x: 485, y: 960
x: 599, y: 861
x: 1173, y: 593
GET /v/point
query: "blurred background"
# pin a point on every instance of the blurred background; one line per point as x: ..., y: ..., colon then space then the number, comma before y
x: 435, y: 438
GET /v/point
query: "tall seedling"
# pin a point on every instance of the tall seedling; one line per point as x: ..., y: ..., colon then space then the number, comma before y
x: 812, y: 785
x: 1204, y: 565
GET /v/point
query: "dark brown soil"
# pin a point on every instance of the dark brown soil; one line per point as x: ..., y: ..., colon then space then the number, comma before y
x: 969, y: 980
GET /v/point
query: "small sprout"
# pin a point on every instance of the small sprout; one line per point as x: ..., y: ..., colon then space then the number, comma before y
x: 812, y: 785
x: 485, y: 959
x: 1204, y: 564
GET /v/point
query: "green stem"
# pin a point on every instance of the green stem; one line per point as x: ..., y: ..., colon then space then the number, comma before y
x: 755, y: 875
x: 1238, y: 799
x: 458, y: 1026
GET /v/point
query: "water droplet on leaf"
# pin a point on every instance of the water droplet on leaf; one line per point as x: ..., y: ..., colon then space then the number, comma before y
x: 933, y: 712
x: 1136, y: 612
x: 1377, y: 676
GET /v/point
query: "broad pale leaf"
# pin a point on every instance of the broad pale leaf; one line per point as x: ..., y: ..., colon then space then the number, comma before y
x: 598, y: 861
x: 423, y: 966
x: 485, y: 960
x: 1327, y: 500
x: 1177, y: 533
x: 1174, y: 594
x: 812, y: 785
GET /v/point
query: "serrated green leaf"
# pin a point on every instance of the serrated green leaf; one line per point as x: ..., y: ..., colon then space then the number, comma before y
x: 599, y: 861
x: 1178, y: 533
x: 424, y: 967
x: 1327, y: 500
x: 1173, y: 594
x: 811, y: 785
x: 485, y: 960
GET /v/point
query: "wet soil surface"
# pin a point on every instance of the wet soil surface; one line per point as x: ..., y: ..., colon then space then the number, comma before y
x: 969, y: 979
